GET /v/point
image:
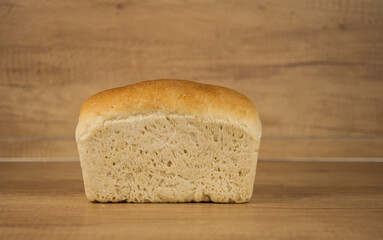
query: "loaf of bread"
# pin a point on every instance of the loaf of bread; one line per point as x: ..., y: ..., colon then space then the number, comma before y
x: 168, y: 141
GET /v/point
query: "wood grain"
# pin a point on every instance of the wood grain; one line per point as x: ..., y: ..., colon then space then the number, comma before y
x: 291, y: 201
x: 271, y: 149
x: 313, y: 68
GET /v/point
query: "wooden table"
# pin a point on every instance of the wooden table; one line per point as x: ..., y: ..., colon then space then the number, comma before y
x: 292, y: 200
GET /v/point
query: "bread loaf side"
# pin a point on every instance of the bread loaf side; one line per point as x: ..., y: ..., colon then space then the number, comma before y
x: 168, y: 141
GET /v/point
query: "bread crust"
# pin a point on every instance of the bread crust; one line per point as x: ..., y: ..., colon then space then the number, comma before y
x: 173, y: 96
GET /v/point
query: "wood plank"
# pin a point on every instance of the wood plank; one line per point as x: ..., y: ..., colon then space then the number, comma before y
x: 316, y: 149
x: 49, y: 148
x: 271, y: 149
x: 313, y: 68
x: 291, y: 201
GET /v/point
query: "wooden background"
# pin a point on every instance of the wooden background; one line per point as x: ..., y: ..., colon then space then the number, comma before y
x: 314, y: 68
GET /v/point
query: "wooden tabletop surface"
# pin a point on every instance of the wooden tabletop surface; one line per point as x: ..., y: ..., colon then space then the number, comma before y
x: 295, y: 200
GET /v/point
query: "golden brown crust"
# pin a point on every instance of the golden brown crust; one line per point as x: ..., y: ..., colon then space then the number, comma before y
x: 174, y: 96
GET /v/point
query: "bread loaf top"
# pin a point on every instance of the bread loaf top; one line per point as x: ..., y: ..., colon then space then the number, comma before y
x: 172, y: 96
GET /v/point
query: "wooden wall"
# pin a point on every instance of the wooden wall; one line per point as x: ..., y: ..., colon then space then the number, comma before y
x: 314, y: 68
